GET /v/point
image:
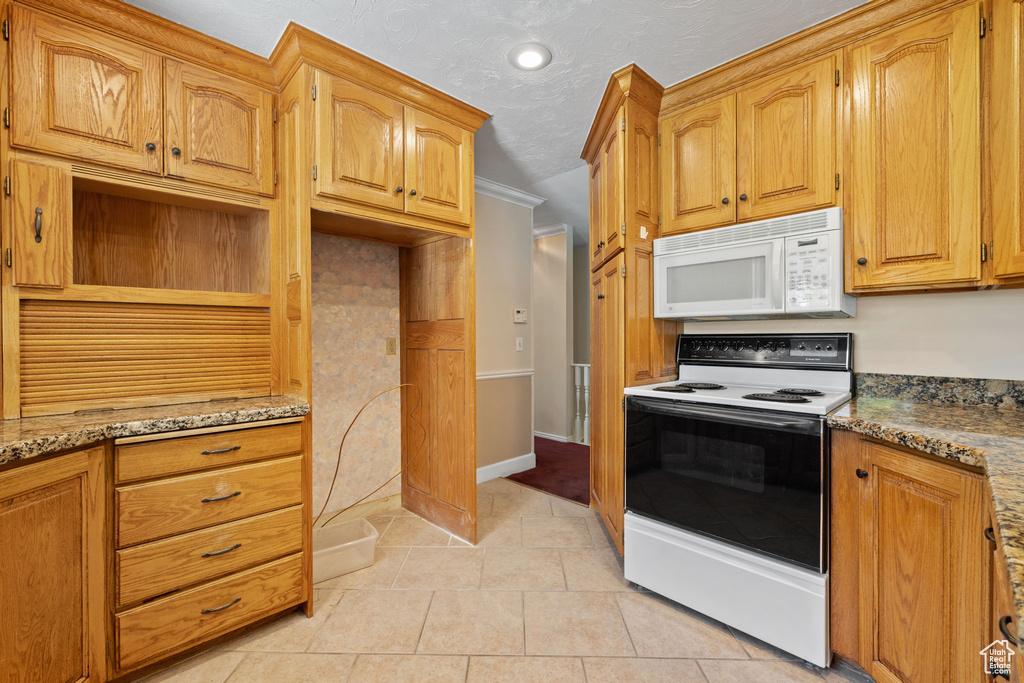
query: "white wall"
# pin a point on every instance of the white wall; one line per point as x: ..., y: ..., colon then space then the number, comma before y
x: 581, y: 304
x: 961, y: 334
x: 553, y: 330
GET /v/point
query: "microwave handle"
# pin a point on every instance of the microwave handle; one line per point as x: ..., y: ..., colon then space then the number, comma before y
x: 775, y: 422
x: 778, y: 284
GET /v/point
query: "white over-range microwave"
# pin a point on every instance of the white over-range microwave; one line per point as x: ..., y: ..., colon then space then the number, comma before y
x: 777, y: 268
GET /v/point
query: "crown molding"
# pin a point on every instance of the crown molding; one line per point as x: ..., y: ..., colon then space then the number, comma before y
x: 507, y: 194
x: 551, y: 230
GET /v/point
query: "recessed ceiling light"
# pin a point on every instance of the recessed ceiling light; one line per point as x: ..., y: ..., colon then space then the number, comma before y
x: 530, y: 57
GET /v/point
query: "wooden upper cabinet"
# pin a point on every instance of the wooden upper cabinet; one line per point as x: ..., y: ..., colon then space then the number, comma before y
x: 1006, y: 150
x: 915, y: 200
x: 40, y: 225
x: 81, y: 93
x: 598, y: 197
x: 698, y: 181
x: 360, y: 144
x: 613, y: 217
x: 786, y: 141
x: 219, y: 129
x: 641, y: 169
x: 439, y: 180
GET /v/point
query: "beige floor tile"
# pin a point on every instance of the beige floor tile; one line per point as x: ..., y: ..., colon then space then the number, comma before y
x: 659, y: 630
x: 387, y: 561
x: 441, y: 569
x: 596, y: 569
x: 457, y: 542
x: 290, y: 633
x: 211, y: 667
x: 326, y: 597
x: 575, y: 624
x: 758, y: 649
x: 520, y: 504
x: 380, y: 621
x: 484, y: 503
x: 556, y: 532
x: 408, y: 669
x: 413, y: 531
x: 380, y: 523
x: 272, y: 667
x: 567, y: 508
x: 722, y: 671
x: 622, y: 670
x: 474, y: 622
x: 522, y: 569
x: 598, y: 533
x: 499, y: 532
x: 525, y: 669
x: 500, y: 485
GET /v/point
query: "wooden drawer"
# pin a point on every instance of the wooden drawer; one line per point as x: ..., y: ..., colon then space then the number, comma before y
x: 155, y: 568
x: 172, y: 506
x: 172, y: 624
x: 160, y: 456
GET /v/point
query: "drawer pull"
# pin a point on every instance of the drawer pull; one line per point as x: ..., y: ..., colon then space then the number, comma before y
x: 215, y: 553
x: 222, y: 607
x: 1003, y: 623
x: 222, y: 450
x: 989, y: 534
x: 214, y: 500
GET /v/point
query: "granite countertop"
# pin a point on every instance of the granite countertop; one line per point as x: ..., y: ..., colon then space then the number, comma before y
x: 34, y: 436
x: 984, y: 436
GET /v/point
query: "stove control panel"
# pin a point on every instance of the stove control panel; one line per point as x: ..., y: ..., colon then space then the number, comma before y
x: 829, y: 351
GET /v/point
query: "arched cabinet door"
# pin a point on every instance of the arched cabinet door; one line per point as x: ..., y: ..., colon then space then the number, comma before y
x: 80, y: 93
x: 438, y: 169
x: 219, y: 129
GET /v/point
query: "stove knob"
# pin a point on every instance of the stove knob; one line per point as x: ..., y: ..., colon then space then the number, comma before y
x: 802, y: 347
x: 737, y: 346
x: 828, y: 348
x: 817, y: 347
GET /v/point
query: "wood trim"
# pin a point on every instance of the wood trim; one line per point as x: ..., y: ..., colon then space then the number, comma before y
x: 816, y: 41
x: 630, y: 82
x: 206, y: 430
x: 299, y: 45
x: 145, y: 295
x: 381, y: 225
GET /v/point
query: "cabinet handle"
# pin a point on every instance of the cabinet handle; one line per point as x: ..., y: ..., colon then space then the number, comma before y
x: 600, y: 296
x: 222, y: 607
x: 861, y: 474
x: 176, y: 151
x: 600, y: 244
x: 399, y: 189
x: 990, y: 535
x: 725, y: 200
x: 862, y: 261
x: 214, y: 500
x: 215, y: 553
x: 412, y: 193
x: 1003, y: 623
x: 743, y: 197
x: 150, y: 147
x: 218, y: 451
x: 39, y: 224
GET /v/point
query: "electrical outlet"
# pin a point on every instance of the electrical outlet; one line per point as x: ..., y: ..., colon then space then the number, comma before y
x: 391, y: 346
x: 519, y: 343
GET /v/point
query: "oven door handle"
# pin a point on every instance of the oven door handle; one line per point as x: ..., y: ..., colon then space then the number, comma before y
x: 811, y: 424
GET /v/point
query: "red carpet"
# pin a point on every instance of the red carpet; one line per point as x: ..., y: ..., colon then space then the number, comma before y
x: 563, y: 469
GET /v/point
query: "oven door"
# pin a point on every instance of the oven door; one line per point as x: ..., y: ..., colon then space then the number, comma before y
x: 741, y: 280
x: 754, y: 479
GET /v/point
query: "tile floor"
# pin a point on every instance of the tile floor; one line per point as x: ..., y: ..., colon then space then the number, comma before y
x: 540, y: 598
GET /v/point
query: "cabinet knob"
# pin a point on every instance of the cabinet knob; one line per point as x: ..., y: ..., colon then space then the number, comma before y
x: 743, y: 197
x: 725, y: 200
x: 861, y: 474
x: 862, y: 261
x: 412, y: 193
x: 150, y: 146
x: 600, y: 296
x: 176, y: 151
x: 399, y: 188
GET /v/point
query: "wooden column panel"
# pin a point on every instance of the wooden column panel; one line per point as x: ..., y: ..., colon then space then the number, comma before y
x: 40, y: 225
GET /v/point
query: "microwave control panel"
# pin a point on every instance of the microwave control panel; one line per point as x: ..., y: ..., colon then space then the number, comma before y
x: 811, y: 271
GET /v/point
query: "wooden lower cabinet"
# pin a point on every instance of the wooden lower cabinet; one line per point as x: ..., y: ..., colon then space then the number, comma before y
x: 910, y: 563
x: 51, y: 570
x: 1002, y: 620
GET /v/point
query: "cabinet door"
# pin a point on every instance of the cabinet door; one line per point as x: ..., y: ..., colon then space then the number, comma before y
x: 360, y: 144
x: 598, y: 311
x: 1006, y: 145
x: 640, y: 159
x: 598, y: 198
x: 698, y: 167
x: 438, y: 168
x: 923, y: 589
x: 614, y: 182
x: 51, y: 570
x: 786, y: 141
x: 40, y: 225
x: 915, y: 204
x: 82, y: 93
x: 219, y: 129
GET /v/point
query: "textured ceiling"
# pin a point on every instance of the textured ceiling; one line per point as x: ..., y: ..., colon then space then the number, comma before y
x: 540, y: 119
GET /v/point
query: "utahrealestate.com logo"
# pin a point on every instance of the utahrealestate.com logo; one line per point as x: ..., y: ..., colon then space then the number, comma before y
x: 997, y: 658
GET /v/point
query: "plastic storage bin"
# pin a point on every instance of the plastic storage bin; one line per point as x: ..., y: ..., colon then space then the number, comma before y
x: 342, y: 548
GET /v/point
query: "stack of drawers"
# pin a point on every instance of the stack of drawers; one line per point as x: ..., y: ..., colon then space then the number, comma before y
x: 208, y: 534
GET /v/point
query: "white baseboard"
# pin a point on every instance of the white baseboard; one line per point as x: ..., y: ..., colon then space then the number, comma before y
x: 506, y: 467
x: 554, y: 437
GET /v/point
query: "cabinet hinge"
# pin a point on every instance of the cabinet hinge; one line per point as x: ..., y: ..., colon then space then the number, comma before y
x: 623, y: 404
x: 314, y: 171
x: 7, y: 117
x: 623, y: 124
x: 982, y: 28
x: 984, y: 252
x: 623, y: 271
x: 275, y: 177
x: 837, y: 181
x: 7, y: 186
x: 7, y: 29
x: 7, y: 257
x: 623, y: 229
x: 275, y: 114
x: 659, y: 139
x: 659, y: 218
x: 314, y: 91
x: 837, y: 78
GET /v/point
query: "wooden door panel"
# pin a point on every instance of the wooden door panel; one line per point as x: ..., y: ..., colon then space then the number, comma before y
x: 699, y: 167
x: 419, y: 408
x: 438, y: 168
x: 82, y: 93
x: 598, y: 200
x: 916, y: 202
x: 1007, y: 139
x: 613, y: 187
x: 222, y: 128
x: 360, y: 144
x: 449, y: 443
x: 597, y: 380
x: 786, y: 141
x: 641, y: 183
x: 40, y: 225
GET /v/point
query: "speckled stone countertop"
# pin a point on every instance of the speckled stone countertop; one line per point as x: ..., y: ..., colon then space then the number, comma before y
x: 984, y: 436
x: 34, y: 436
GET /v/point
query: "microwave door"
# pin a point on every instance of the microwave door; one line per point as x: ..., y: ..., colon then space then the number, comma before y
x: 737, y: 280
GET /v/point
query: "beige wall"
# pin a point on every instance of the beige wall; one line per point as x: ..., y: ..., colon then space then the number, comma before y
x: 553, y: 328
x: 355, y: 307
x: 504, y: 257
x: 962, y: 334
x: 581, y: 304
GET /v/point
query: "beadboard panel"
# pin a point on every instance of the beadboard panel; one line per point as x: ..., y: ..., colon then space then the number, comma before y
x: 87, y: 355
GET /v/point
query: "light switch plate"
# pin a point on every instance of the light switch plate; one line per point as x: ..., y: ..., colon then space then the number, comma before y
x: 519, y: 316
x: 519, y: 343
